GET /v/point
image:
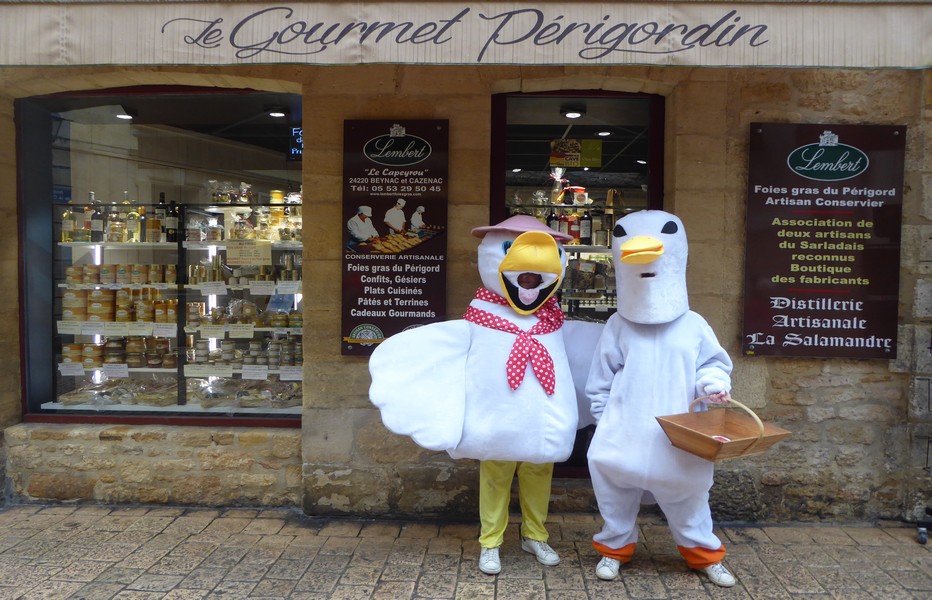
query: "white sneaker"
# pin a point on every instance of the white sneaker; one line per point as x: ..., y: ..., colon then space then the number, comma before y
x: 607, y: 568
x: 719, y: 575
x: 489, y: 562
x: 544, y: 553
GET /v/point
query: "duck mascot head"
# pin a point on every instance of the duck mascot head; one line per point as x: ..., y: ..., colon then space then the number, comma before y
x: 496, y: 384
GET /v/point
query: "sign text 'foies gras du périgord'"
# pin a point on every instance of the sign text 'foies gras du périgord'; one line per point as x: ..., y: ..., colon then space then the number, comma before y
x: 823, y: 240
x: 395, y: 195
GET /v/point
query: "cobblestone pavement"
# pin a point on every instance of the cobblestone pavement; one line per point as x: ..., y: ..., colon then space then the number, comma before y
x: 101, y: 552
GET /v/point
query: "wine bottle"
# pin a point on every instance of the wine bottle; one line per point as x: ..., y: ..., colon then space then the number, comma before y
x: 97, y: 218
x: 171, y: 223
x: 585, y: 229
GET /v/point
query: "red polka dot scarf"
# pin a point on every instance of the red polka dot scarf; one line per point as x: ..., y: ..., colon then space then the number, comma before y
x: 526, y: 348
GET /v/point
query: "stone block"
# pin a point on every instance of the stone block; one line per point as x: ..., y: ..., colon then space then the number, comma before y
x: 191, y: 437
x: 149, y: 435
x: 199, y: 490
x: 327, y: 436
x: 286, y: 445
x: 338, y: 489
x: 253, y: 437
x: 374, y: 444
x: 113, y: 434
x: 61, y: 486
x: 435, y: 490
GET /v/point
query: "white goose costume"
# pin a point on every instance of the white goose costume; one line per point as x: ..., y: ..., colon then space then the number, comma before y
x: 496, y: 386
x: 655, y: 356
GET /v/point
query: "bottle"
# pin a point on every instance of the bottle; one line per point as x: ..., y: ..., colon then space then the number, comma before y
x: 154, y: 226
x: 82, y: 223
x: 160, y: 214
x: 97, y: 219
x: 585, y: 229
x: 133, y: 225
x: 564, y: 223
x: 143, y: 224
x: 553, y: 221
x: 171, y: 223
x: 573, y: 226
x: 67, y: 224
x: 116, y: 226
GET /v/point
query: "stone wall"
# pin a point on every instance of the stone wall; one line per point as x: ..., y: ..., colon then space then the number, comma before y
x: 154, y: 465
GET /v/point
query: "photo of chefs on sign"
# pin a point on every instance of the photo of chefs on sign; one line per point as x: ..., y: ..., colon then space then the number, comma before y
x: 823, y: 240
x: 395, y: 186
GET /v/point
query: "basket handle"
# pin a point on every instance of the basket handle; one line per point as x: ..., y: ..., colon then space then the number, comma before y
x: 760, y: 424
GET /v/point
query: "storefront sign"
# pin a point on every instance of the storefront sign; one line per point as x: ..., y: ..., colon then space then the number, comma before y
x: 798, y: 34
x: 395, y: 236
x: 823, y: 240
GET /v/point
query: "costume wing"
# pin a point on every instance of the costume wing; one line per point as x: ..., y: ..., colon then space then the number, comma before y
x: 580, y: 339
x: 419, y: 383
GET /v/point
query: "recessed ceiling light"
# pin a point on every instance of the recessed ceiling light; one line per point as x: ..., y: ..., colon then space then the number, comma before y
x: 516, y: 170
x: 604, y: 133
x: 641, y: 162
x: 277, y: 113
x: 572, y: 111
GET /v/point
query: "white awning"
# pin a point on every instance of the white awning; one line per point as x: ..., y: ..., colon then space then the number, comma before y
x: 447, y: 33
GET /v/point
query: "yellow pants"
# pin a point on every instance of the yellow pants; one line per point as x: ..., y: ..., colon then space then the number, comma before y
x: 495, y: 478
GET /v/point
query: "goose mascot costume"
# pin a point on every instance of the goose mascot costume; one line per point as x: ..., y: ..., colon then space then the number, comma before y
x: 496, y: 385
x: 654, y: 358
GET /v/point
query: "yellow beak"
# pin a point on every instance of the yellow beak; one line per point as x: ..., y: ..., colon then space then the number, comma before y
x: 531, y: 271
x: 641, y: 249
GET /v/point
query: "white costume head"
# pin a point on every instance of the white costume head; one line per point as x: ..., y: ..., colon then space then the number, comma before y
x: 521, y: 260
x: 650, y: 251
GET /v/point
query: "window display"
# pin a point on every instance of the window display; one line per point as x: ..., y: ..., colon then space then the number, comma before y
x: 186, y: 303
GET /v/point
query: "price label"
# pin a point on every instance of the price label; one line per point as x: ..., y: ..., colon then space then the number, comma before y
x: 289, y: 373
x: 261, y: 288
x: 92, y: 328
x: 75, y: 369
x: 164, y: 329
x: 258, y: 372
x: 139, y: 328
x: 116, y: 371
x: 288, y: 287
x: 249, y: 252
x: 213, y: 331
x: 213, y: 288
x: 208, y: 371
x: 116, y: 329
x: 69, y: 327
x: 242, y: 330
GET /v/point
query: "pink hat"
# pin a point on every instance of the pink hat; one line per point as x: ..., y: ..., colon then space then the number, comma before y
x: 520, y: 224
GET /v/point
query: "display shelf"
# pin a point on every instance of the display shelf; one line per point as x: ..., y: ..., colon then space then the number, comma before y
x: 163, y: 371
x: 281, y: 330
x: 246, y: 287
x: 118, y: 286
x: 122, y: 245
x: 91, y: 315
x: 222, y: 245
x: 580, y: 249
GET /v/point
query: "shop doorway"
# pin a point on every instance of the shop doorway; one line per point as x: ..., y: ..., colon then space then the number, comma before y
x: 578, y: 157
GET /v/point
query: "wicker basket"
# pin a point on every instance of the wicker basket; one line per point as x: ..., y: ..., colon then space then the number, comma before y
x: 721, y: 434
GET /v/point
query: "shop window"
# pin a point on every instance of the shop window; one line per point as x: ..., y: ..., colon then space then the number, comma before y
x: 578, y: 161
x: 161, y: 255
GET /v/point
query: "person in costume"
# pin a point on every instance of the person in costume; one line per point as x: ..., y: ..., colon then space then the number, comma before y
x: 654, y: 358
x: 508, y: 398
x: 360, y: 227
x: 395, y: 217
